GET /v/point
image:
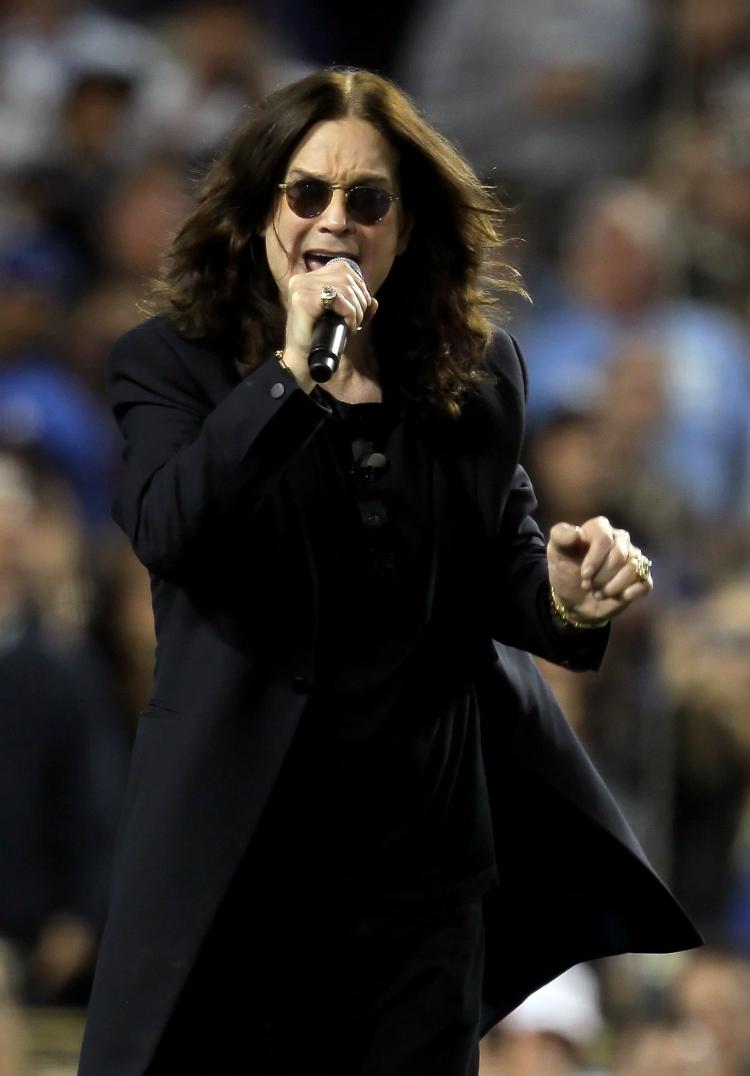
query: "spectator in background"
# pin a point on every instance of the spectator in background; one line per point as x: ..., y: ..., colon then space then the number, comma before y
x: 46, y: 806
x: 54, y: 551
x: 65, y: 191
x: 225, y: 59
x: 87, y: 601
x: 633, y: 413
x: 233, y: 57
x: 12, y: 1045
x: 222, y: 48
x: 711, y: 995
x: 666, y: 1048
x: 711, y: 41
x: 563, y: 450
x: 702, y: 157
x: 123, y: 626
x: 141, y: 214
x: 175, y: 86
x: 42, y: 406
x: 47, y: 46
x: 105, y: 312
x: 550, y: 1033
x: 616, y: 265
x: 541, y: 96
x: 703, y: 166
x: 707, y: 676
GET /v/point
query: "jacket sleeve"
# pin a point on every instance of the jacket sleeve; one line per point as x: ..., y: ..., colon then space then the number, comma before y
x: 522, y: 616
x: 186, y: 464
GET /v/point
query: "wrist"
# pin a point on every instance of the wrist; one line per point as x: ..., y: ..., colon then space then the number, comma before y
x: 563, y: 615
x: 297, y: 366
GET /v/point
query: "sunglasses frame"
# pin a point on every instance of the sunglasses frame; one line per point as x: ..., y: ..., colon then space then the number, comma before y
x: 347, y: 191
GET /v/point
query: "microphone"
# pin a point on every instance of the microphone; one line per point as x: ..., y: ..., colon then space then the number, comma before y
x: 329, y: 338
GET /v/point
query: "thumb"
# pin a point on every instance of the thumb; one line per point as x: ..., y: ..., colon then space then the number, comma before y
x: 566, y: 536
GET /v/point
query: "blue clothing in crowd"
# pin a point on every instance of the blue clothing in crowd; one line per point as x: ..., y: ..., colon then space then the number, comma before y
x: 703, y: 446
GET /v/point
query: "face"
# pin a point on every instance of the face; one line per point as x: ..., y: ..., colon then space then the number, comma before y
x: 346, y: 151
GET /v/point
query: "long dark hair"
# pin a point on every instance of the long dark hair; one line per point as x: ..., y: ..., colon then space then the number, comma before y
x: 432, y: 321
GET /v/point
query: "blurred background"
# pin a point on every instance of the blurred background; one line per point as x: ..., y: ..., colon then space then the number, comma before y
x: 617, y: 133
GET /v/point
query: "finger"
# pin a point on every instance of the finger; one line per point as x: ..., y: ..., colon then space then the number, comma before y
x: 600, y: 537
x: 637, y: 590
x: 342, y: 280
x: 361, y: 289
x: 565, y: 536
x: 371, y: 311
x: 615, y: 562
x: 351, y: 291
x: 346, y: 304
x: 349, y: 311
x: 349, y: 306
x: 349, y: 282
x: 616, y: 586
x: 361, y: 298
x: 625, y: 578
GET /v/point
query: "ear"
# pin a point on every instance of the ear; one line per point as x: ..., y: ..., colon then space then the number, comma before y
x: 404, y: 234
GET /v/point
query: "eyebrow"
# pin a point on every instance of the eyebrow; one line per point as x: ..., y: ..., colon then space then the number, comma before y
x: 363, y: 177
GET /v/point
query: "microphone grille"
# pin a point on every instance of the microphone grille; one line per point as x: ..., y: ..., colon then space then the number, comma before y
x: 350, y: 262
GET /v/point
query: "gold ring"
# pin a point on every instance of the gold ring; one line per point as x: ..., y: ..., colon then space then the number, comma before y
x: 327, y: 296
x: 641, y: 565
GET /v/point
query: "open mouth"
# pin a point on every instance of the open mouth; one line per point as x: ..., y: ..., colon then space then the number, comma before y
x: 316, y: 259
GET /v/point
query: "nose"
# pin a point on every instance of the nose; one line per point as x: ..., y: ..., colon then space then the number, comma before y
x: 335, y: 217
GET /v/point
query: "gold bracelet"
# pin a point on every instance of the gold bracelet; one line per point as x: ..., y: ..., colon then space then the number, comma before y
x: 569, y: 618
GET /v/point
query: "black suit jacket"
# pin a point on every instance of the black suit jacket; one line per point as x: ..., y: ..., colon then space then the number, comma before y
x: 214, y: 498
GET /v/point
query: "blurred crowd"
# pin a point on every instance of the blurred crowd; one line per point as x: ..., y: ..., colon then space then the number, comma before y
x: 617, y: 136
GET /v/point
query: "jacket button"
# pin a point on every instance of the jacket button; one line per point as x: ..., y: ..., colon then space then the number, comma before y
x: 277, y: 390
x: 301, y: 684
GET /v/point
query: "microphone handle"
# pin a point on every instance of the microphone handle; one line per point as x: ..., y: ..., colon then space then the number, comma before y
x: 328, y: 343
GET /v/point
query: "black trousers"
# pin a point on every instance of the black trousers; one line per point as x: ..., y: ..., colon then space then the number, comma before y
x: 285, y: 985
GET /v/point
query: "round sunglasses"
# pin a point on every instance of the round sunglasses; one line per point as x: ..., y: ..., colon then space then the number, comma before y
x: 309, y: 197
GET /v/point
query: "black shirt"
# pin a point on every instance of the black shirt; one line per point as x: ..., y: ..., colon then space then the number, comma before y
x: 384, y: 783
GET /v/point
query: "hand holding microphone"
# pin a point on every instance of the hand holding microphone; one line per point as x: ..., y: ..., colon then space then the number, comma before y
x: 326, y: 305
x: 330, y: 333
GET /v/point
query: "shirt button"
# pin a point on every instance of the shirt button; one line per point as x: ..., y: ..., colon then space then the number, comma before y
x: 374, y: 520
x: 376, y: 461
x: 372, y: 467
x: 277, y: 390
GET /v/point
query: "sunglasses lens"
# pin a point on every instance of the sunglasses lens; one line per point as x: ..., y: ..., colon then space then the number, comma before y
x: 308, y: 197
x: 368, y: 205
